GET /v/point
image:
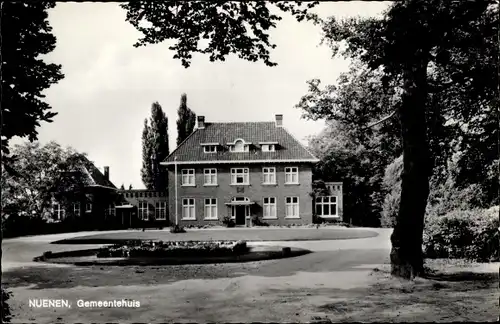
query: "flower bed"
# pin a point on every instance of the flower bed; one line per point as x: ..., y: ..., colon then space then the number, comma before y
x: 159, y: 249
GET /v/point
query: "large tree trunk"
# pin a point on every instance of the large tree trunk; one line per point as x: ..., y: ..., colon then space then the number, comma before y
x: 406, y: 255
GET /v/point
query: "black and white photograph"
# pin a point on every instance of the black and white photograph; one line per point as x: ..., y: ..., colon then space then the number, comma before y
x: 250, y: 161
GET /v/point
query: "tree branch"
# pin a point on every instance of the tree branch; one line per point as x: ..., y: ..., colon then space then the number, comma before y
x: 382, y: 120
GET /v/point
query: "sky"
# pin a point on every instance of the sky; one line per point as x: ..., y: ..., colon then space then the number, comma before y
x: 109, y: 85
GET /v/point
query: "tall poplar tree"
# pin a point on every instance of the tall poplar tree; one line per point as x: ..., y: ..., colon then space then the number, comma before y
x: 146, y: 170
x: 186, y: 120
x: 158, y: 145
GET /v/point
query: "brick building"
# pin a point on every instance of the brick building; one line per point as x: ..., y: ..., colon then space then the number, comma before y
x: 243, y: 171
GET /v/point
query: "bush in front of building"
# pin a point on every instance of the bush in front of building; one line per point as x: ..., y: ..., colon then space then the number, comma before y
x: 463, y: 234
x: 177, y: 229
x: 228, y: 222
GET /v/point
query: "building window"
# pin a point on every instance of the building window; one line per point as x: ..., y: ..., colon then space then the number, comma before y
x: 239, y: 146
x: 111, y: 210
x: 188, y: 209
x: 211, y: 208
x: 326, y: 206
x: 292, y: 207
x: 270, y: 207
x: 269, y: 175
x: 240, y: 176
x: 76, y: 209
x: 210, y: 148
x: 268, y: 147
x: 210, y: 176
x: 161, y: 210
x: 143, y: 210
x: 292, y: 175
x: 88, y: 207
x: 59, y: 211
x: 188, y: 177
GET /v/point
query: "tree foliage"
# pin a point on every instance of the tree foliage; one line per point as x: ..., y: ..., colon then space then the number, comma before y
x: 432, y: 49
x: 146, y: 170
x: 42, y: 174
x: 26, y: 36
x: 186, y: 120
x: 214, y: 28
x: 158, y: 147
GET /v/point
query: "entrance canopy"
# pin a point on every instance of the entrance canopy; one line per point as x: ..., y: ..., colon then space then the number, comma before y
x: 125, y: 206
x: 240, y: 201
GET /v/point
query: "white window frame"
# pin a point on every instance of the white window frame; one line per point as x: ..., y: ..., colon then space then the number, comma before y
x: 245, y: 147
x: 88, y: 207
x: 292, y: 175
x: 210, y: 209
x: 188, y: 177
x: 268, y: 147
x: 292, y: 209
x: 111, y: 209
x: 330, y: 201
x: 269, y: 210
x: 161, y: 210
x: 188, y: 209
x: 210, y: 148
x: 245, y: 172
x: 59, y: 211
x: 210, y: 175
x: 270, y: 172
x: 76, y: 209
x: 142, y: 209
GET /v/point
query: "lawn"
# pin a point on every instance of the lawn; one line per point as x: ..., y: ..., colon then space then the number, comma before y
x: 249, y: 234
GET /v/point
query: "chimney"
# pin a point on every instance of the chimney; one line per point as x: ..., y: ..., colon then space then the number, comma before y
x: 201, y: 122
x: 279, y: 120
x: 106, y: 172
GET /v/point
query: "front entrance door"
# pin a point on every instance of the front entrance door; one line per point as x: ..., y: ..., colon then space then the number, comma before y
x: 240, y: 215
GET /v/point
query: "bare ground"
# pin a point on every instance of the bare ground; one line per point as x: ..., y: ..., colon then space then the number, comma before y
x: 336, y: 283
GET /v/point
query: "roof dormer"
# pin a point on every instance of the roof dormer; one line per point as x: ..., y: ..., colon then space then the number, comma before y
x: 268, y: 146
x: 210, y: 147
x: 239, y: 145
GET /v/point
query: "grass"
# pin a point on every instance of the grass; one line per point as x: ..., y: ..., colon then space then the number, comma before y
x: 248, y: 234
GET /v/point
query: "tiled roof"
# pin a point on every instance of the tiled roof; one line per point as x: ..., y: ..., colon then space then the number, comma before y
x: 94, y: 177
x: 288, y: 147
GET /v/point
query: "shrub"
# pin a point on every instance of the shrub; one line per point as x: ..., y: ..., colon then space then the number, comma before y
x: 392, y: 185
x: 177, y: 229
x: 6, y: 315
x: 469, y: 234
x: 256, y: 221
x: 228, y: 222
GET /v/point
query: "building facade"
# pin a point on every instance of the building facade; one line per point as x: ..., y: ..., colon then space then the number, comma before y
x: 240, y: 171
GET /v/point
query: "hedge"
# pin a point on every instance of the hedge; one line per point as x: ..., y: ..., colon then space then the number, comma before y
x: 467, y: 234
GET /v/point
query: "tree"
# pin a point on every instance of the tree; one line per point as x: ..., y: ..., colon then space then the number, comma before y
x: 146, y: 170
x: 26, y: 37
x: 42, y: 174
x: 186, y: 120
x: 157, y: 143
x: 240, y: 28
x: 122, y: 187
x: 130, y: 187
x: 431, y: 48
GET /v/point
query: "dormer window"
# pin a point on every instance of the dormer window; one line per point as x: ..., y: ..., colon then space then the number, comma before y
x: 268, y: 146
x: 210, y: 147
x: 239, y: 145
